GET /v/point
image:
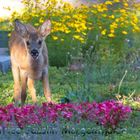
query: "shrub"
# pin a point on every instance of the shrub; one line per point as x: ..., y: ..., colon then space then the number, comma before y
x: 106, y: 26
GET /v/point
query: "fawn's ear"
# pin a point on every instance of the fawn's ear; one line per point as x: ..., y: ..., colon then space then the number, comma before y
x: 20, y: 28
x: 45, y: 28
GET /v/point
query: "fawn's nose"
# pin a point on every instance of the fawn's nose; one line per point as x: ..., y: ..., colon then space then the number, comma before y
x: 34, y: 53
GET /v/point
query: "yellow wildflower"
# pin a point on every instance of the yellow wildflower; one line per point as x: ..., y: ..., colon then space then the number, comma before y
x: 112, y: 31
x: 125, y: 4
x: 104, y: 32
x: 94, y: 6
x: 112, y: 16
x: 9, y: 34
x: 94, y: 11
x: 124, y: 32
x: 108, y: 3
x: 113, y: 25
x: 36, y: 15
x: 117, y: 19
x: 111, y: 35
x: 122, y: 19
x: 67, y: 31
x: 122, y: 11
x: 78, y: 37
x: 100, y: 8
x: 104, y: 15
x: 54, y: 37
x: 116, y: 0
x: 122, y: 24
x: 135, y: 19
x: 136, y: 29
x: 41, y: 20
x: 36, y: 24
x: 83, y: 26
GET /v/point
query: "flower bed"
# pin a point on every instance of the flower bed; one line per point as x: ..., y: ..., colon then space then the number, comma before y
x: 108, y: 113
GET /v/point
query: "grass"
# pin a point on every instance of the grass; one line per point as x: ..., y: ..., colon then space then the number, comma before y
x: 74, y: 85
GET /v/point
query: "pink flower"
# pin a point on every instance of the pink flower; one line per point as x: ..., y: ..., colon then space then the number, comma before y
x: 108, y: 113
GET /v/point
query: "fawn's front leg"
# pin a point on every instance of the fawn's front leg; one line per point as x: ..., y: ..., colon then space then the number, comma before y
x: 46, y: 87
x: 17, y: 89
x: 32, y: 89
x: 23, y: 87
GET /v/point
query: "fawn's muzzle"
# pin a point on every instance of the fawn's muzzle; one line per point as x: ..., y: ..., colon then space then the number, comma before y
x: 34, y: 53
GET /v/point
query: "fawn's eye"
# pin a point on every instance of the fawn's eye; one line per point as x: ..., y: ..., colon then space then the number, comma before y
x: 28, y: 43
x: 40, y: 42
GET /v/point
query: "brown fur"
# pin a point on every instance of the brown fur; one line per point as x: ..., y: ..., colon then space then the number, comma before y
x: 25, y: 69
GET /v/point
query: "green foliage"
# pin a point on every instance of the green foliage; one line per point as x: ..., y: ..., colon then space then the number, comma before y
x: 76, y: 86
x: 57, y: 53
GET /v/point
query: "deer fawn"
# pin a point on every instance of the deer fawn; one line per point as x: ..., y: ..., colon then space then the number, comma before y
x: 29, y: 59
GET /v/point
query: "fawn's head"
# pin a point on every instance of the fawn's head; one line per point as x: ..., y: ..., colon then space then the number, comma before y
x: 33, y: 38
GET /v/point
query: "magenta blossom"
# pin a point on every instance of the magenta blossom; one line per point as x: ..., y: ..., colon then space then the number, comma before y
x: 108, y: 113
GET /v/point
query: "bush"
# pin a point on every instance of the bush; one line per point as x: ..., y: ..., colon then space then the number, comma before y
x: 106, y: 26
x: 57, y: 53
